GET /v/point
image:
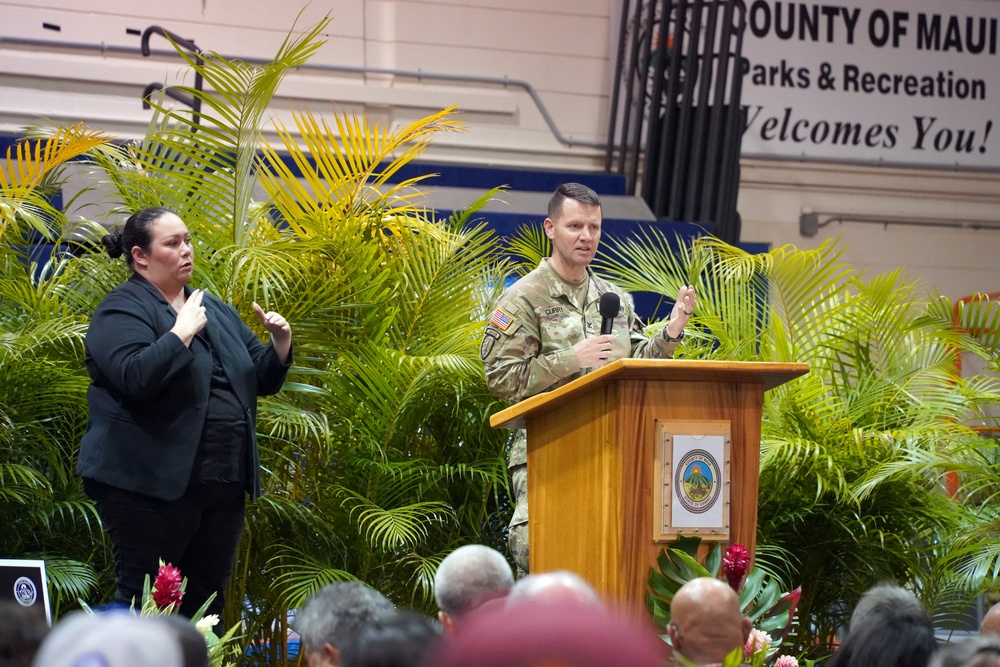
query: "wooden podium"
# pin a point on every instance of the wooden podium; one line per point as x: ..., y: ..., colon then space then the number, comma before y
x: 591, y: 453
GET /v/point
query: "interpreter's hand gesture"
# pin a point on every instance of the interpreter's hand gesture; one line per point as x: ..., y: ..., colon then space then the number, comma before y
x: 594, y: 352
x: 281, y: 331
x: 191, y: 317
x: 682, y: 311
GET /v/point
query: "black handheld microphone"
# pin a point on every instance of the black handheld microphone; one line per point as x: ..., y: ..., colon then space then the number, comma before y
x: 609, y: 307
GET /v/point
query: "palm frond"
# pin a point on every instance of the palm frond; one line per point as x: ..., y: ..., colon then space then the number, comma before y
x: 30, y: 161
x: 298, y: 575
x: 27, y: 174
x: 342, y: 168
x: 527, y: 248
x: 71, y: 579
x: 423, y: 569
x: 395, y: 527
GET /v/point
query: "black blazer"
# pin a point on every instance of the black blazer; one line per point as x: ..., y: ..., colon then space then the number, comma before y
x: 149, y: 393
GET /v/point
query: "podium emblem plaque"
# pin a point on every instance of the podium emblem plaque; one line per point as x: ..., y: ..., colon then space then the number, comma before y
x: 692, y: 480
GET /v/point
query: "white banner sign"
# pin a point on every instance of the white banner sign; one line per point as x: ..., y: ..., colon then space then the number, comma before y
x: 890, y: 81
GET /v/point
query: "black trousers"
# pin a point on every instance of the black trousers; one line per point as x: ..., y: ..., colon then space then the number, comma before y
x: 199, y: 534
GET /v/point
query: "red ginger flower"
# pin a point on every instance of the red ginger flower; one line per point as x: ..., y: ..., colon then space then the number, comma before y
x: 735, y: 564
x: 168, y: 588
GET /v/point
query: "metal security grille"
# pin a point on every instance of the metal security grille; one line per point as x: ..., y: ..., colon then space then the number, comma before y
x: 676, y: 122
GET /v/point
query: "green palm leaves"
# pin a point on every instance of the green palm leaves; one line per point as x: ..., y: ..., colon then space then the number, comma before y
x: 852, y: 455
x: 378, y: 458
x: 42, y: 380
x: 31, y: 169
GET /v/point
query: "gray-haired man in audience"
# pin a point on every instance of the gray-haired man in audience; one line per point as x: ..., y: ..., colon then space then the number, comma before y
x: 468, y: 577
x: 885, y: 599
x: 889, y: 628
x: 334, y: 616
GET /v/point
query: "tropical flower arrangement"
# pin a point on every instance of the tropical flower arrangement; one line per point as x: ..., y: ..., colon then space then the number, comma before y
x: 163, y: 597
x: 769, y: 609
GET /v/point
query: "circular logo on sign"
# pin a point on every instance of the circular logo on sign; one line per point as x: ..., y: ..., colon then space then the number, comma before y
x: 697, y: 481
x: 25, y: 591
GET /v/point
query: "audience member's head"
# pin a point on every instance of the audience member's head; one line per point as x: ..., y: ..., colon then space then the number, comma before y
x: 972, y: 652
x: 468, y: 577
x: 892, y: 642
x: 334, y: 616
x: 21, y: 632
x: 193, y: 647
x: 891, y: 630
x: 554, y: 588
x: 886, y: 599
x: 991, y: 621
x: 110, y: 640
x: 574, y: 634
x: 399, y: 640
x: 706, y: 622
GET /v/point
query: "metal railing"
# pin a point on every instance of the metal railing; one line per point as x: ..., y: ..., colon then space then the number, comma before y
x: 676, y: 124
x: 189, y: 100
x: 418, y: 74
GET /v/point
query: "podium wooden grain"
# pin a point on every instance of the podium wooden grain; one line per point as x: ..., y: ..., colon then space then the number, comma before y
x: 590, y: 461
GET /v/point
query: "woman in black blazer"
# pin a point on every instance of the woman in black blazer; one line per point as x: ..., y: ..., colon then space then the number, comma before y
x: 170, y: 449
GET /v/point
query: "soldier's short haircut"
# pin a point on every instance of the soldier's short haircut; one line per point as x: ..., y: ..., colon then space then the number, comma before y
x: 470, y: 576
x: 577, y: 191
x: 336, y: 613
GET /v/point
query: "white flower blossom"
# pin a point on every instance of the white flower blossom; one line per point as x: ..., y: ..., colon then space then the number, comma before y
x: 205, y: 625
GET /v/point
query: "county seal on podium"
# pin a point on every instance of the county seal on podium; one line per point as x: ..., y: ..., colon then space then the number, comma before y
x: 691, y: 488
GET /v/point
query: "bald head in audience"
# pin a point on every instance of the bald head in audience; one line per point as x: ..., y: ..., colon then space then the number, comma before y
x: 991, y: 621
x: 706, y: 622
x: 557, y: 587
x: 468, y: 577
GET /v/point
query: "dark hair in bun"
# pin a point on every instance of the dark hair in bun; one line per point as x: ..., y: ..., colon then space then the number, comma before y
x: 135, y: 232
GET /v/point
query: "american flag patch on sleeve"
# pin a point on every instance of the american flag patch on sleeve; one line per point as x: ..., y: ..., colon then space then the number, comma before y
x: 501, y: 320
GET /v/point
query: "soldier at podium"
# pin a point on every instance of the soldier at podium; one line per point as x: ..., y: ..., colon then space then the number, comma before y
x: 546, y: 329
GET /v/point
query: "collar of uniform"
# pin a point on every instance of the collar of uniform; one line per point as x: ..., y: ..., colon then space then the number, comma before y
x: 557, y: 284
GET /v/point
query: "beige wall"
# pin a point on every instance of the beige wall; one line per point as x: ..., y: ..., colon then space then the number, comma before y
x: 560, y: 47
x: 957, y: 261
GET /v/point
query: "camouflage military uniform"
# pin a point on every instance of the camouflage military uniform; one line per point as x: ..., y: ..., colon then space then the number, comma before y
x: 527, y: 348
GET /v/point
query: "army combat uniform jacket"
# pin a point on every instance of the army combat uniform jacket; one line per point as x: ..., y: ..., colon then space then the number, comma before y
x: 527, y: 347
